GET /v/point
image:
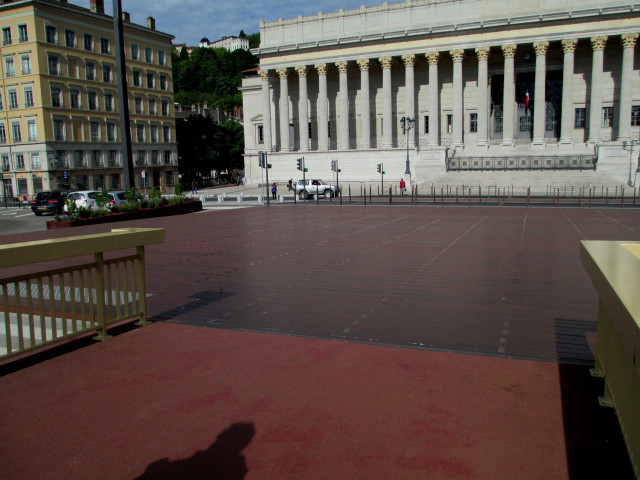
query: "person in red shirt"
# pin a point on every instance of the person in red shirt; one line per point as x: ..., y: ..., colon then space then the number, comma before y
x: 403, y: 187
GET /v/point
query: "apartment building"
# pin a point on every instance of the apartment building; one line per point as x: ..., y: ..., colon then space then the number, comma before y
x: 59, y: 116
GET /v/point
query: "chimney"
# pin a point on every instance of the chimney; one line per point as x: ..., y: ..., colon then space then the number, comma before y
x: 126, y: 17
x: 97, y: 6
x: 151, y: 23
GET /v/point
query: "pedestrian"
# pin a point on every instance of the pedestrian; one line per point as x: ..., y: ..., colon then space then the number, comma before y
x: 244, y: 182
x: 403, y: 187
x: 194, y: 187
x: 274, y: 191
x: 290, y: 185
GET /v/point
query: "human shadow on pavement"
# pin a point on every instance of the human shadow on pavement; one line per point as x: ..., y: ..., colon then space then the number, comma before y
x: 201, y: 299
x: 222, y: 460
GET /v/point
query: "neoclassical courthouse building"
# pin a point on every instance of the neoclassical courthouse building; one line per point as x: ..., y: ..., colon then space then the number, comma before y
x: 496, y: 86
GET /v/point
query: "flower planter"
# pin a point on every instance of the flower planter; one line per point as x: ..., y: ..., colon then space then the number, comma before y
x: 165, y: 210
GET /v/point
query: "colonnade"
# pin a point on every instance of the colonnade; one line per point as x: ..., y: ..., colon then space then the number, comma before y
x: 595, y: 102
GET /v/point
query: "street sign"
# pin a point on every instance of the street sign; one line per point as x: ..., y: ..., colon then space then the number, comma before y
x: 142, y: 173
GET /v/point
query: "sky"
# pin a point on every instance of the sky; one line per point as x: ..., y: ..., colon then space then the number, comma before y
x: 191, y: 20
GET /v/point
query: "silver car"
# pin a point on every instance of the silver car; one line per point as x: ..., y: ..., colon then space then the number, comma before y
x: 314, y: 186
x: 84, y: 199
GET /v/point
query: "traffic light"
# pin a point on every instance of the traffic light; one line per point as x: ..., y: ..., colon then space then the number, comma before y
x: 379, y: 168
x: 306, y: 169
x: 333, y: 165
x: 300, y: 160
x: 268, y: 165
x: 261, y: 159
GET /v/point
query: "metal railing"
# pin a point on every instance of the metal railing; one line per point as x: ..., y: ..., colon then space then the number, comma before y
x: 614, y: 269
x: 522, y: 162
x: 50, y: 305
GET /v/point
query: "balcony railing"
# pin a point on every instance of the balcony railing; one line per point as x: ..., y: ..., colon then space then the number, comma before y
x: 48, y: 305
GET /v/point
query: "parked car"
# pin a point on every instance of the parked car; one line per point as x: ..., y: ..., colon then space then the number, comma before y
x: 117, y: 197
x: 48, y: 202
x: 314, y: 186
x: 84, y: 199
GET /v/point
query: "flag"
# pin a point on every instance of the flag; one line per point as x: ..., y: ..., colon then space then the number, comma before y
x: 526, y: 99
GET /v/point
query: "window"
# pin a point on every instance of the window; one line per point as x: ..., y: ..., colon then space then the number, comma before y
x: 32, y: 130
x: 155, y: 157
x: 138, y: 105
x: 111, y: 132
x: 37, y: 184
x: 74, y: 96
x: 112, y: 161
x: 1, y: 106
x: 150, y: 80
x: 79, y: 160
x: 152, y: 106
x: 10, y: 68
x: 148, y: 55
x: 108, y: 102
x: 23, y: 36
x: 163, y: 82
x: 165, y: 107
x: 69, y: 38
x: 580, y: 118
x: 140, y: 158
x: 88, y: 42
x: 115, y: 180
x: 60, y: 159
x: 96, y: 162
x: 93, y: 100
x: 140, y: 132
x: 136, y: 78
x: 58, y: 129
x: 3, y: 134
x: 22, y: 183
x: 35, y: 160
x: 74, y: 71
x: 166, y: 133
x: 19, y: 161
x: 135, y: 52
x: 473, y: 122
x: 105, y: 45
x: 635, y: 115
x: 260, y: 134
x: 167, y: 157
x: 15, y: 132
x: 5, y: 163
x: 6, y: 35
x: 26, y: 64
x: 106, y: 73
x: 154, y: 133
x: 91, y: 70
x: 426, y: 124
x: 56, y: 100
x: 51, y: 34
x: 28, y: 97
x: 54, y: 65
x: 607, y: 116
x: 13, y: 98
x: 168, y: 177
x: 449, y: 123
x: 162, y: 58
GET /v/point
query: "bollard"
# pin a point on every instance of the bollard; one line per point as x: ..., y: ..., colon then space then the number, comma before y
x: 280, y: 198
x: 349, y: 193
x: 389, y: 195
x: 240, y: 198
x: 220, y: 198
x: 260, y: 199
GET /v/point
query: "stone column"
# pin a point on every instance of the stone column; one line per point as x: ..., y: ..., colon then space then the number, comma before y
x: 434, y: 104
x: 456, y: 137
x: 387, y: 106
x: 343, y: 107
x: 303, y: 113
x: 508, y: 102
x: 595, y: 108
x: 568, y: 114
x: 285, y: 144
x: 323, y: 108
x: 266, y: 110
x: 410, y: 111
x: 483, y: 98
x: 539, y: 103
x: 365, y: 110
x: 624, y: 118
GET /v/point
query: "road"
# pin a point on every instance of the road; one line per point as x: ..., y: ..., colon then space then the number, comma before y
x: 21, y: 220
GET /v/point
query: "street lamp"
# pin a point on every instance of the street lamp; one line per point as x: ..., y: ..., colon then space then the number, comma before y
x: 407, y: 125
